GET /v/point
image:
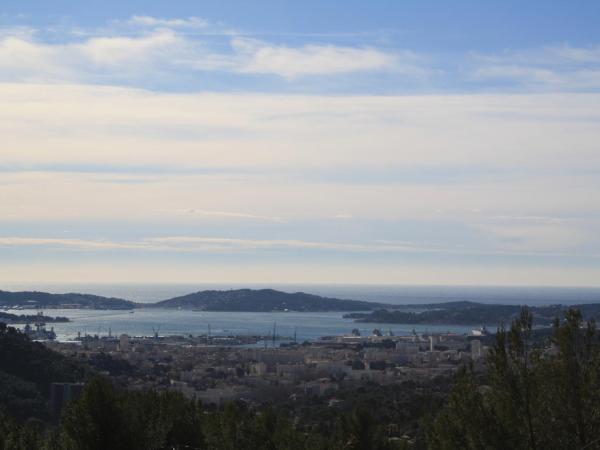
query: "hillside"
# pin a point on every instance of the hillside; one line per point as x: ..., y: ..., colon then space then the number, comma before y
x: 470, y: 313
x: 26, y: 370
x: 29, y: 318
x: 263, y: 300
x: 44, y: 300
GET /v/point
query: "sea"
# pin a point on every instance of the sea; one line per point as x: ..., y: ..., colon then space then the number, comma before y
x: 304, y: 326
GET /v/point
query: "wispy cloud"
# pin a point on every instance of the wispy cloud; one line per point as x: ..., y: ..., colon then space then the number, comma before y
x: 81, y: 244
x: 227, y: 214
x: 560, y: 67
x: 148, y: 47
x: 146, y: 50
x: 149, y: 21
x: 202, y: 244
x: 257, y: 56
x: 510, y: 241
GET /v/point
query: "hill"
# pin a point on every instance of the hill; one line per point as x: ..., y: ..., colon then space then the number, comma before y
x: 34, y: 299
x: 26, y: 370
x: 29, y: 318
x: 263, y: 300
x: 470, y: 313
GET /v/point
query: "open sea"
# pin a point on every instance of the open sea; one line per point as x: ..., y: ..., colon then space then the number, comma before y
x: 307, y: 326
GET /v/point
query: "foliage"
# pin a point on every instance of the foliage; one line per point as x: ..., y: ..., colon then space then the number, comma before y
x: 27, y: 369
x: 33, y: 362
x: 470, y: 313
x: 263, y: 300
x: 45, y: 300
x: 530, y: 399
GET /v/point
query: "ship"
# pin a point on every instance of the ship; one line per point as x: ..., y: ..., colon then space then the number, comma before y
x: 480, y: 332
x: 39, y: 333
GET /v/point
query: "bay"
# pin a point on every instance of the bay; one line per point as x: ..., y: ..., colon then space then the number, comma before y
x: 143, y: 322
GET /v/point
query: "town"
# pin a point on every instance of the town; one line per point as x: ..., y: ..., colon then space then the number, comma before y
x: 217, y: 370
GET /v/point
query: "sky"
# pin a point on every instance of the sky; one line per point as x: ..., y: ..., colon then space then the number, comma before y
x: 397, y: 142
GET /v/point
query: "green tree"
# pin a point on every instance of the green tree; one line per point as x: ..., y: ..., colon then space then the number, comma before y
x: 95, y: 421
x: 529, y: 398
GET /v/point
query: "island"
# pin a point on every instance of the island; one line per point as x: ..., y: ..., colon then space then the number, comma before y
x: 246, y: 300
x: 263, y: 300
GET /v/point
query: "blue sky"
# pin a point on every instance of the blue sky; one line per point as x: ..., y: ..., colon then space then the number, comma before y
x: 423, y: 25
x: 388, y: 142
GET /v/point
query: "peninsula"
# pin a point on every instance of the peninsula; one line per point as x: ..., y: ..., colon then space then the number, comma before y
x: 29, y: 318
x: 470, y: 313
x: 263, y: 300
x: 248, y: 300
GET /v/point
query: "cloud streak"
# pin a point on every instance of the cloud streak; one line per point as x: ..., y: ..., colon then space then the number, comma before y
x: 552, y: 68
x: 522, y: 241
x: 263, y: 58
x: 149, y: 21
x: 146, y: 50
x: 161, y: 49
x: 201, y: 244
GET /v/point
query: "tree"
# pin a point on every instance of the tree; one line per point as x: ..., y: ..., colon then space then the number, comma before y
x: 95, y: 421
x: 529, y: 398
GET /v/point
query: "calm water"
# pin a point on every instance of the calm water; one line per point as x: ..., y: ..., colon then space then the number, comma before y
x: 309, y: 326
x: 143, y: 322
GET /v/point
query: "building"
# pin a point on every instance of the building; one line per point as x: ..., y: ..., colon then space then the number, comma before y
x: 476, y: 349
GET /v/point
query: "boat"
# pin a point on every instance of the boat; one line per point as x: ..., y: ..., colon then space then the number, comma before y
x: 39, y: 333
x: 480, y: 332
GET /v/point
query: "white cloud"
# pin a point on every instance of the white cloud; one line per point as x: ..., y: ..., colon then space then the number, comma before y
x: 253, y: 158
x: 230, y: 215
x: 149, y: 21
x: 116, y: 51
x: 162, y: 49
x: 92, y: 60
x: 516, y: 241
x: 289, y: 62
x: 145, y: 50
x: 199, y: 243
x: 568, y: 54
x: 81, y: 244
x: 562, y: 68
x: 542, y: 78
x: 92, y: 125
x: 222, y: 244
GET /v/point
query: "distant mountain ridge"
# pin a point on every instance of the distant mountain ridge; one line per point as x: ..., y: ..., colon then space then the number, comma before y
x: 471, y: 313
x: 271, y: 300
x: 263, y: 300
x: 35, y: 299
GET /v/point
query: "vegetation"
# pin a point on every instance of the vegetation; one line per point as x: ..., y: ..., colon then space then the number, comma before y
x: 29, y: 318
x: 34, y: 362
x: 470, y: 313
x: 26, y: 370
x: 529, y: 399
x: 46, y: 300
x: 263, y: 300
